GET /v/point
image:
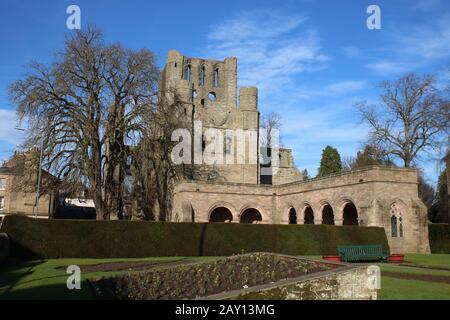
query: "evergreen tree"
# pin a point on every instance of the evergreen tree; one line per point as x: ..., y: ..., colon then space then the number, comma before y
x: 330, y: 162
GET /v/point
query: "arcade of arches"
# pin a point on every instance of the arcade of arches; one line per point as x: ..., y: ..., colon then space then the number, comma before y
x: 252, y: 215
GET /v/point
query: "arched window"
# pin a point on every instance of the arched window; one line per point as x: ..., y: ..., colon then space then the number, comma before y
x: 396, y: 222
x: 394, y: 226
x: 202, y: 76
x: 188, y: 72
x: 216, y: 77
x: 228, y: 144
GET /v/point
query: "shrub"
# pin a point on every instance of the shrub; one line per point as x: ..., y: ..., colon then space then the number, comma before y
x: 439, y: 235
x: 39, y: 238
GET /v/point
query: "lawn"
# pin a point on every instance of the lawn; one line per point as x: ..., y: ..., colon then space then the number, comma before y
x: 394, y: 288
x: 46, y: 279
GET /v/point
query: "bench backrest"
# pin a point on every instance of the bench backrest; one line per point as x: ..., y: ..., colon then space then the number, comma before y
x: 360, y: 249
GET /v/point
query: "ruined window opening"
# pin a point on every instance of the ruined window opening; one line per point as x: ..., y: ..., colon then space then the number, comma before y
x: 212, y: 96
x: 394, y: 226
x: 228, y: 142
x: 251, y: 215
x: 216, y: 77
x: 175, y: 64
x: 309, y: 215
x: 188, y: 72
x: 202, y: 76
x: 292, y: 216
x: 327, y: 215
x: 221, y: 214
x: 202, y: 102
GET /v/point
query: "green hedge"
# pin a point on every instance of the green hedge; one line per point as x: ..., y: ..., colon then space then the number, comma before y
x: 38, y: 238
x: 439, y: 235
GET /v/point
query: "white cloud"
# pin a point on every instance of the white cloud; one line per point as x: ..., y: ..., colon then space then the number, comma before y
x: 8, y: 121
x: 425, y: 5
x: 428, y: 42
x: 9, y: 137
x: 387, y: 67
x: 413, y: 47
x: 352, y: 51
x: 345, y: 87
x: 271, y: 47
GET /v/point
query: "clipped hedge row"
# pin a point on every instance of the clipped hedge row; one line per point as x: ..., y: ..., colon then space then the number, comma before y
x: 36, y: 238
x: 439, y: 235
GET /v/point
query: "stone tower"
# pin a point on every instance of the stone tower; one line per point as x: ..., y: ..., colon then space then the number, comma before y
x: 209, y: 90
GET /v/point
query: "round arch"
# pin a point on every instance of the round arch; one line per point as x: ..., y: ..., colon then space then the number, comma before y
x: 308, y: 214
x: 250, y: 215
x: 221, y: 214
x: 221, y: 205
x: 327, y: 213
x: 292, y: 215
x: 349, y: 214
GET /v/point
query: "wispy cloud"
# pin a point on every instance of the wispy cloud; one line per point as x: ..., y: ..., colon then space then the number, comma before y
x: 8, y: 122
x: 425, y: 5
x: 9, y: 137
x: 275, y: 52
x: 387, y: 67
x: 271, y: 47
x: 413, y: 47
x: 352, y: 51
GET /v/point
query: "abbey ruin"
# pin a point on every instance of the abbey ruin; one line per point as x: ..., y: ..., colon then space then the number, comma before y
x: 242, y: 192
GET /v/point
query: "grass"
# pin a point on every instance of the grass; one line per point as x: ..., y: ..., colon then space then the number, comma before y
x: 46, y: 279
x: 401, y: 289
x: 430, y: 260
x: 407, y: 289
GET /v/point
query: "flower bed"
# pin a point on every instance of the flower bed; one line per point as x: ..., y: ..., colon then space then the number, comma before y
x: 206, y: 278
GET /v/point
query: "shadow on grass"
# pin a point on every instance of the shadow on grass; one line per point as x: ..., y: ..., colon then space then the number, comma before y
x: 56, y: 291
x: 19, y: 280
x: 12, y: 271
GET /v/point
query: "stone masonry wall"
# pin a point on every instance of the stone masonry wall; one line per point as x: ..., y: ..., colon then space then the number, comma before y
x: 372, y: 191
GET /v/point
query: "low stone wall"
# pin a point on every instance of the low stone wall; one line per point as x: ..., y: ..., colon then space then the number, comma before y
x: 349, y: 283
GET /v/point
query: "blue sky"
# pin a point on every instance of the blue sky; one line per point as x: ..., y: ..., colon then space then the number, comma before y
x: 311, y: 60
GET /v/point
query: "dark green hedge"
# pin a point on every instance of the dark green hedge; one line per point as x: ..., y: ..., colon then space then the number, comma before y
x: 439, y: 238
x: 38, y: 238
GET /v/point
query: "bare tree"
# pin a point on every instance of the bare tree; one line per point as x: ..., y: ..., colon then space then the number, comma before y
x: 153, y: 172
x: 268, y: 124
x: 87, y: 108
x: 412, y: 118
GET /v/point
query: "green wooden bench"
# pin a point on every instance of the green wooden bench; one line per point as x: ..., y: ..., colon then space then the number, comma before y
x: 371, y: 252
